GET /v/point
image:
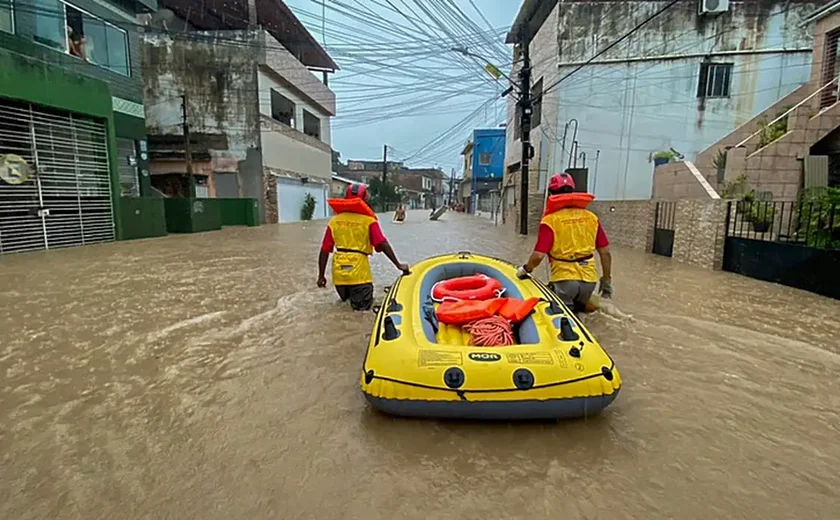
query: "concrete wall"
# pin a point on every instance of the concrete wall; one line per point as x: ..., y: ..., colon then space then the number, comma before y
x: 676, y: 181
x: 218, y: 74
x: 641, y: 96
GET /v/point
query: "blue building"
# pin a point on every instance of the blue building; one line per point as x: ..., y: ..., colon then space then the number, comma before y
x: 484, y: 163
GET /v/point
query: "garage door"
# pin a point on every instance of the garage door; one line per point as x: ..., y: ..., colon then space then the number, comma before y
x: 291, y: 194
x: 65, y: 200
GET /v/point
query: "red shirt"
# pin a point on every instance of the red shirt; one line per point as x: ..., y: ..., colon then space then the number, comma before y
x: 545, y: 239
x: 374, y: 232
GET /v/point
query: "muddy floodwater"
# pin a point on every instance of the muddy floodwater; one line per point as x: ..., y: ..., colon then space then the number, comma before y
x: 206, y: 377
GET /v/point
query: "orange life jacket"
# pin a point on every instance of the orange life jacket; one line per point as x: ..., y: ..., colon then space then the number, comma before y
x: 354, y: 205
x: 515, y: 310
x: 567, y: 200
x: 465, y: 311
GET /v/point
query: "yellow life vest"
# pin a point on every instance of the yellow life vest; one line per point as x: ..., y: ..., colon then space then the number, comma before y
x: 351, y: 234
x: 573, y: 253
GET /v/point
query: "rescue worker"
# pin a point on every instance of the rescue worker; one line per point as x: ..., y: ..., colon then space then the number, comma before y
x: 354, y: 236
x: 569, y: 237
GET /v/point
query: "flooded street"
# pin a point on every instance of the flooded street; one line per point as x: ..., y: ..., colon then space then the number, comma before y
x: 206, y: 377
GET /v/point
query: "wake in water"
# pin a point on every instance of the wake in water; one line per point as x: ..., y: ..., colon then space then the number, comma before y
x: 606, y: 307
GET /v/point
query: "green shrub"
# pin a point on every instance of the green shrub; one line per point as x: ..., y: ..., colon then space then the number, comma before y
x: 308, y: 208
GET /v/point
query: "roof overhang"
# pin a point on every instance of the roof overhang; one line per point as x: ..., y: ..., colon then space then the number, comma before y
x: 531, y: 17
x: 274, y: 15
x: 822, y: 12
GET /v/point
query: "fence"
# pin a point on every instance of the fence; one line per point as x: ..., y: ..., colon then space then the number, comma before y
x: 791, y: 243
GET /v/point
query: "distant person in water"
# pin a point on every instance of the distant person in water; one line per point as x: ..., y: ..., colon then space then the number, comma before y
x: 352, y: 236
x: 399, y: 214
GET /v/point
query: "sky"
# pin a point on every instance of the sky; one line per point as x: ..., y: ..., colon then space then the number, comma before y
x: 400, y: 83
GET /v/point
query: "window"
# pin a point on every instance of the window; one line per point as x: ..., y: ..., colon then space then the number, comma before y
x: 311, y: 125
x: 715, y: 79
x: 427, y: 183
x: 282, y: 109
x: 536, y: 95
x: 81, y: 35
x: 484, y: 159
x: 6, y: 18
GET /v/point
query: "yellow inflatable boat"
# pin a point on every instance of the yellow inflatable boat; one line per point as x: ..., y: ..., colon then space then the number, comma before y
x: 416, y: 366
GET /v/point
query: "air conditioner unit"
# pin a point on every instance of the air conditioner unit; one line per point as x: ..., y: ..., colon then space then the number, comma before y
x: 713, y: 6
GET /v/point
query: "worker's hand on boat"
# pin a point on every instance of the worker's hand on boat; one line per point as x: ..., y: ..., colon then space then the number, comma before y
x: 606, y: 288
x: 404, y: 268
x: 521, y: 273
x: 322, y: 281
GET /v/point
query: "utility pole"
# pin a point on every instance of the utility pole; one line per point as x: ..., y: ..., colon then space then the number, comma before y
x: 384, y: 164
x: 187, y: 145
x: 526, y: 106
x: 384, y: 176
x: 451, y: 186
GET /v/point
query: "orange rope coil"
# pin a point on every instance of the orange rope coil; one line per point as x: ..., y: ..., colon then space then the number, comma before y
x: 490, y: 332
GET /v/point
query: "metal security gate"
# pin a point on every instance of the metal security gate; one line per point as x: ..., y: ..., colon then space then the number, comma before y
x: 66, y: 199
x: 663, y: 228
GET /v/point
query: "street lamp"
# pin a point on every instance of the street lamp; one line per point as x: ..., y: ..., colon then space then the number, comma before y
x: 489, y: 67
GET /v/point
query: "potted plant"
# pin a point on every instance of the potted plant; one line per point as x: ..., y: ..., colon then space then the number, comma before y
x: 663, y: 157
x: 745, y: 205
x: 762, y: 216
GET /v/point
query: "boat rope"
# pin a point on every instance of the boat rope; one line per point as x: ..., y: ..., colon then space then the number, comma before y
x: 490, y: 332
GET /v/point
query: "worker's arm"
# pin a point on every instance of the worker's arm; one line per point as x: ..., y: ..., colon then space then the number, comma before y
x: 606, y: 263
x: 326, y: 248
x: 545, y: 241
x: 602, y: 245
x: 534, y: 261
x: 380, y: 243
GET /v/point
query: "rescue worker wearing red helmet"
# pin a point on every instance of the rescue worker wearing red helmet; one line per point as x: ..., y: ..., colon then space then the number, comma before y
x: 351, y: 236
x: 569, y: 235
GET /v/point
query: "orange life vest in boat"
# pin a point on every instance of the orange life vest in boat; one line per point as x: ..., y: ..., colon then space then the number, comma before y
x: 465, y: 311
x: 354, y: 205
x: 567, y: 200
x: 515, y: 310
x: 475, y: 287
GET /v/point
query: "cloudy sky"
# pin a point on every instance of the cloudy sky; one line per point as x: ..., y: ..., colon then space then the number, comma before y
x: 400, y: 83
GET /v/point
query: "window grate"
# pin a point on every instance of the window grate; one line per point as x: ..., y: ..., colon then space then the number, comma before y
x: 715, y: 80
x: 66, y: 201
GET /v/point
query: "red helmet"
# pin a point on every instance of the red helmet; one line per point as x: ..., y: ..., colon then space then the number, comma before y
x: 560, y: 180
x: 356, y: 191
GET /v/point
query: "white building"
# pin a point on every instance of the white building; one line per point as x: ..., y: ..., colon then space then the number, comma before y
x: 258, y: 115
x: 684, y: 80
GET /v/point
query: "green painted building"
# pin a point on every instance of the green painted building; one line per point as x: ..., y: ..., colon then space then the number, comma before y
x: 73, y: 152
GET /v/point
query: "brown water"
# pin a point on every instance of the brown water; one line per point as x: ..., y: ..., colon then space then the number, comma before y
x: 206, y: 377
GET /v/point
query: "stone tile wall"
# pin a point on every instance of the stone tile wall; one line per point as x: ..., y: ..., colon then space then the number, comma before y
x: 627, y: 223
x: 699, y: 232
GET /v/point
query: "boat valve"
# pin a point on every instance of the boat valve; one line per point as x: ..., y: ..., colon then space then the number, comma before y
x: 391, y: 331
x: 567, y: 332
x: 453, y: 377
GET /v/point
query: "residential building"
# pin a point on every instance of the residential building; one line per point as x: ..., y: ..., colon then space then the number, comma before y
x: 793, y: 144
x: 681, y: 82
x: 486, y: 155
x: 242, y: 81
x: 422, y: 188
x: 72, y: 133
x: 465, y: 189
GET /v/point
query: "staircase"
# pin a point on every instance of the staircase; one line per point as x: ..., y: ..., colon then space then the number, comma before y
x: 771, y: 152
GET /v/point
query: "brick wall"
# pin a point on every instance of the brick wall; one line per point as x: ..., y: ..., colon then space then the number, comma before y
x: 699, y: 232
x: 699, y: 228
x: 627, y: 223
x: 674, y: 181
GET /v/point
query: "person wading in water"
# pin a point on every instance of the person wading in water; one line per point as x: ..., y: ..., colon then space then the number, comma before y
x: 570, y: 234
x: 353, y: 234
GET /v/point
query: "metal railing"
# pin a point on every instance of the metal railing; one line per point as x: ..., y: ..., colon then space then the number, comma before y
x: 810, y: 224
x: 786, y: 113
